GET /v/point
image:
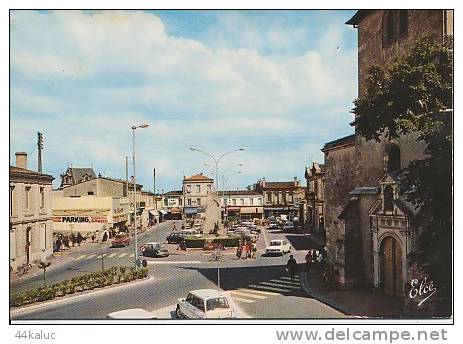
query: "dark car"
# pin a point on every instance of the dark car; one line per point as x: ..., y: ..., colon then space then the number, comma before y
x: 175, y: 238
x: 154, y: 249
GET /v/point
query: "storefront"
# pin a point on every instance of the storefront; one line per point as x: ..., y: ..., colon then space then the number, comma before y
x: 248, y: 213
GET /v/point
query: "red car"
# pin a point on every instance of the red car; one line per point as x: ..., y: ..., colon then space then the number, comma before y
x: 120, y: 240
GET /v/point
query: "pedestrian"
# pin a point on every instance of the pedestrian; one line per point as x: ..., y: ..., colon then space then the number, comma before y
x: 93, y: 237
x: 79, y: 238
x: 66, y: 242
x: 72, y: 239
x: 58, y: 244
x: 308, y: 262
x: 239, y: 251
x: 314, y: 256
x: 105, y: 237
x: 254, y: 250
x: 248, y: 249
x: 291, y: 266
x: 174, y: 227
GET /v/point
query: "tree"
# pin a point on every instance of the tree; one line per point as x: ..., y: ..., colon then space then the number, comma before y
x: 413, y: 94
x: 44, y: 266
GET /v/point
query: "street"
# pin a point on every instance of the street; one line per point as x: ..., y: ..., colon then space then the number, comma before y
x: 260, y: 287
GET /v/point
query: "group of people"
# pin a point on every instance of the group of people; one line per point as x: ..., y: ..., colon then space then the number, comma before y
x: 314, y: 257
x: 67, y: 241
x: 247, y: 249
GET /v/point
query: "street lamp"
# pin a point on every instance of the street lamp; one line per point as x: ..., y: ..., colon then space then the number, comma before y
x: 216, y: 161
x: 134, y: 127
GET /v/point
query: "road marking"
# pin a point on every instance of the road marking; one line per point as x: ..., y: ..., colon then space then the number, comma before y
x: 175, y: 262
x: 239, y: 299
x: 272, y: 284
x: 258, y: 291
x: 285, y: 282
x: 112, y: 255
x: 132, y: 255
x: 123, y: 254
x: 289, y: 278
x: 268, y: 288
x: 101, y: 255
x: 91, y: 256
x: 255, y: 296
x: 81, y: 257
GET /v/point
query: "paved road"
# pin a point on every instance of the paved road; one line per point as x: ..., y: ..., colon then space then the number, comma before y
x: 260, y: 287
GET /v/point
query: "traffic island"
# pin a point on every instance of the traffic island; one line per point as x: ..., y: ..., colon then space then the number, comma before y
x: 76, y: 285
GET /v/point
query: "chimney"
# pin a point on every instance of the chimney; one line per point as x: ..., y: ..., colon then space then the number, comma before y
x: 21, y: 159
x: 296, y: 182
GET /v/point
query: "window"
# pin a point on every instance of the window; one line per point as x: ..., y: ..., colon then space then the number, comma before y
x: 388, y: 198
x: 27, y: 198
x: 198, y: 188
x: 242, y: 201
x: 220, y: 302
x: 11, y: 200
x: 209, y: 187
x: 403, y: 23
x: 234, y: 201
x: 189, y: 201
x: 259, y: 201
x: 188, y: 188
x: 393, y: 158
x: 42, y: 199
x: 198, y: 201
x: 180, y: 202
x: 165, y: 202
x: 269, y: 197
x: 252, y: 201
x: 90, y: 193
x: 291, y: 198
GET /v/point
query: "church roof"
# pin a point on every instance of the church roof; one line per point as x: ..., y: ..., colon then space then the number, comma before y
x: 346, y: 140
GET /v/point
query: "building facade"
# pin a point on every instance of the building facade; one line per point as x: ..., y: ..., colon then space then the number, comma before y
x: 173, y: 204
x: 196, y: 191
x: 31, y: 226
x: 370, y: 227
x: 241, y: 205
x: 281, y: 198
x: 315, y: 217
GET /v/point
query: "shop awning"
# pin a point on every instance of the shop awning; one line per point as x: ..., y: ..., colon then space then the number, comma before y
x: 251, y: 210
x: 190, y: 211
x: 175, y: 211
x: 163, y: 212
x: 233, y: 208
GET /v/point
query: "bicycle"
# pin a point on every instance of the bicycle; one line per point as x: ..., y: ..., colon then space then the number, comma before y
x: 23, y: 269
x: 216, y: 255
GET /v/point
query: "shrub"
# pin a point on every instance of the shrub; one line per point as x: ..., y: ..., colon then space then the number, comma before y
x: 193, y: 242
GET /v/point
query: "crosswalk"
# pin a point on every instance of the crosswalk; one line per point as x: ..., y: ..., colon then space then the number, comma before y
x: 265, y: 289
x: 105, y: 255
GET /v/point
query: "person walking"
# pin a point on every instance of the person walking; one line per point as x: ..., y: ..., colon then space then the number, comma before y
x: 254, y: 250
x: 79, y: 238
x: 73, y: 239
x: 314, y: 256
x: 93, y: 237
x: 291, y: 266
x: 308, y: 262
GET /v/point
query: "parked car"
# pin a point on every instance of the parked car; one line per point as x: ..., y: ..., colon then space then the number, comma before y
x: 289, y: 226
x: 120, y: 240
x: 273, y: 225
x: 278, y: 246
x: 190, y: 232
x: 133, y: 313
x: 174, y: 238
x: 154, y: 249
x: 205, y: 304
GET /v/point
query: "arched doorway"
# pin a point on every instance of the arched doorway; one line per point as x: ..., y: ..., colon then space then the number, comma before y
x: 391, y: 267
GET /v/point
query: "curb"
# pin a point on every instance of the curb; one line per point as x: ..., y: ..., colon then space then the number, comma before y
x: 69, y: 299
x: 321, y: 298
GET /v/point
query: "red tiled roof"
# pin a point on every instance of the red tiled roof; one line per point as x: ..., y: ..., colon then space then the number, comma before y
x: 19, y: 170
x: 280, y: 185
x: 198, y: 178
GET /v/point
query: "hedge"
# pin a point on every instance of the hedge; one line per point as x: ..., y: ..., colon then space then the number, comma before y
x: 113, y: 275
x: 193, y: 242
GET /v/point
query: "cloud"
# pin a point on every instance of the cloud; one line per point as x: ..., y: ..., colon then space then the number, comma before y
x: 93, y: 75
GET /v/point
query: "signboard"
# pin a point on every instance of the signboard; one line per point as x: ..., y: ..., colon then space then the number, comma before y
x: 80, y: 219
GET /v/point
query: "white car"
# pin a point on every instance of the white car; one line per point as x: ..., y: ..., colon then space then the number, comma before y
x: 278, y: 246
x: 205, y: 304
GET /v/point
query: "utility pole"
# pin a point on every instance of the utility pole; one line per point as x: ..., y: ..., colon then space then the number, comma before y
x: 39, y: 151
x: 154, y: 187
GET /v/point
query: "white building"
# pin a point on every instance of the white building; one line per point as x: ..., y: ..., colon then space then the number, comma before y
x: 242, y: 204
x: 196, y: 190
x: 31, y: 227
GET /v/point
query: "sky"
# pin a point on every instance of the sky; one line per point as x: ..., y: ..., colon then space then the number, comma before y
x: 279, y: 84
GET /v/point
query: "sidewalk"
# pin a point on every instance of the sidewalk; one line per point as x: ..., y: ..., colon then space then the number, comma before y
x: 60, y: 258
x: 358, y: 302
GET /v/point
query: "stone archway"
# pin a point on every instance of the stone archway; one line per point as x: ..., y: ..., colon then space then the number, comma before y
x: 391, y: 274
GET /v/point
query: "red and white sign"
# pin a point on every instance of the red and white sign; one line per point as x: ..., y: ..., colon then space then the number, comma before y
x: 142, y: 248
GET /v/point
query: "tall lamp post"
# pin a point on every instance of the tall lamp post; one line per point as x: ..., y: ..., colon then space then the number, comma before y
x: 134, y: 127
x: 216, y: 162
